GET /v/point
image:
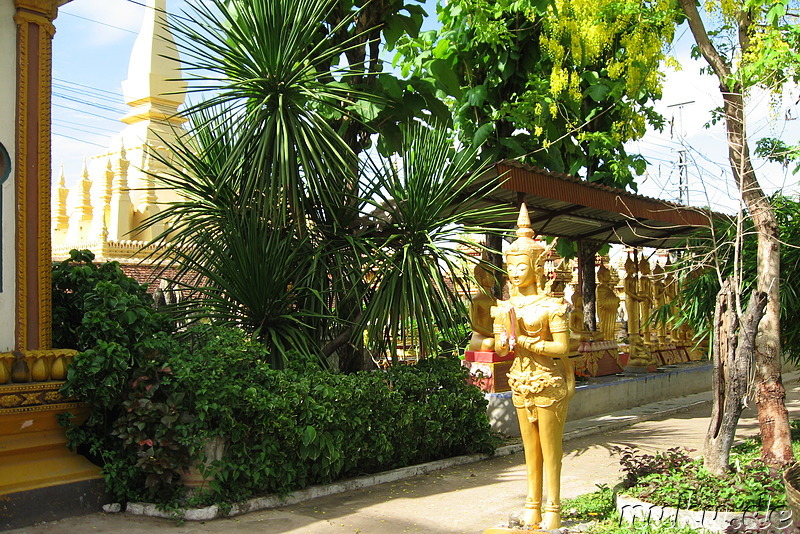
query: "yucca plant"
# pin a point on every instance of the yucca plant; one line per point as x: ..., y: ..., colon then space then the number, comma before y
x: 280, y: 230
x: 267, y: 62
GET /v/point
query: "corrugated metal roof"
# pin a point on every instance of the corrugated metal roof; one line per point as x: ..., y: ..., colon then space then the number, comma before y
x: 566, y: 206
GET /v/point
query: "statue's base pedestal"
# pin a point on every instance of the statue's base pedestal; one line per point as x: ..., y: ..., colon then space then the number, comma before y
x: 599, y: 358
x: 491, y: 377
x: 41, y: 479
x: 696, y: 355
x: 638, y: 369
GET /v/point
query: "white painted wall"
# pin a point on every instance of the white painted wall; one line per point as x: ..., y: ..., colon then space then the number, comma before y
x: 8, y: 77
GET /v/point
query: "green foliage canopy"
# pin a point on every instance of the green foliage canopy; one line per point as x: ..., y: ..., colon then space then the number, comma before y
x: 713, y: 257
x: 562, y: 85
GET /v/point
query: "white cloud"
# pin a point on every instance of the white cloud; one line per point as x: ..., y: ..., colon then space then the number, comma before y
x: 706, y: 149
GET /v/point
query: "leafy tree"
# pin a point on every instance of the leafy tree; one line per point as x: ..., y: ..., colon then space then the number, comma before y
x: 714, y: 257
x: 381, y: 102
x: 752, y: 44
x: 560, y: 84
x: 726, y: 253
x: 293, y: 237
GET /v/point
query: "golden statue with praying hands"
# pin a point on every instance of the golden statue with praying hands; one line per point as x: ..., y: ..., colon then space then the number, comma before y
x: 535, y: 327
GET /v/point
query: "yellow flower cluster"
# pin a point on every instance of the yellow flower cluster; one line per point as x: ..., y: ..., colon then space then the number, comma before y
x: 640, y: 45
x: 553, y: 48
x: 729, y: 9
x: 559, y: 80
x: 581, y: 32
x: 575, y: 87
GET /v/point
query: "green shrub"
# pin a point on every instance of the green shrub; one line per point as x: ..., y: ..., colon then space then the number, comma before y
x: 157, y: 397
x: 285, y: 429
x: 680, y: 482
x: 106, y: 315
x: 94, y: 303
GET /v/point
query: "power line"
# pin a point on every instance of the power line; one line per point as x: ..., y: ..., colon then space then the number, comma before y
x: 86, y: 125
x: 144, y: 5
x: 79, y: 128
x: 97, y: 22
x: 115, y: 93
x: 74, y: 129
x: 86, y: 94
x: 87, y: 103
x: 161, y: 11
x: 79, y: 140
x: 62, y: 106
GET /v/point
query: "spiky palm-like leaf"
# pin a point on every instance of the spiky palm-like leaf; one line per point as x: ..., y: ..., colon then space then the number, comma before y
x: 422, y: 201
x: 268, y: 61
x: 236, y: 264
x: 254, y: 279
x: 259, y: 157
x: 265, y: 180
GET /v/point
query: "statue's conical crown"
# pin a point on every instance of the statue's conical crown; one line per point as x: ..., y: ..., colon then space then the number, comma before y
x: 525, y: 244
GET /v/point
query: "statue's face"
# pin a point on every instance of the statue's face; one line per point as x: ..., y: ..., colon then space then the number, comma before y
x: 520, y: 271
x: 630, y: 268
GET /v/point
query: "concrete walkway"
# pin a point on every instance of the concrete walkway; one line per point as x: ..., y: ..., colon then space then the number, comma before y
x: 462, y: 499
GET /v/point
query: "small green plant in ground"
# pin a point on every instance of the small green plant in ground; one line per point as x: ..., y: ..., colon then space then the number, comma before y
x: 637, y: 465
x: 671, y: 478
x: 590, y: 506
x: 613, y: 526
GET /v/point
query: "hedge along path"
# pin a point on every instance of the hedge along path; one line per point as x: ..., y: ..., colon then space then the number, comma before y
x: 574, y: 429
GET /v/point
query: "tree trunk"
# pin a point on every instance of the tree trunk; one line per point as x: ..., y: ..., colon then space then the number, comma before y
x: 494, y: 242
x: 587, y: 250
x: 734, y: 343
x: 770, y: 394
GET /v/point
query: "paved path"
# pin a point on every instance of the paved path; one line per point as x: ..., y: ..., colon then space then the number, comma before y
x: 463, y: 499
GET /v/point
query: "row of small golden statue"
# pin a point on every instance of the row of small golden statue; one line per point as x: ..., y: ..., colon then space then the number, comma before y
x: 645, y: 292
x: 542, y: 335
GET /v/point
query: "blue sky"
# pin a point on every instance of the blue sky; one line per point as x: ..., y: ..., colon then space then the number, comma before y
x: 94, y: 39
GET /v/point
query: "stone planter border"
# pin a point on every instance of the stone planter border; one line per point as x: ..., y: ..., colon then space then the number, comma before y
x: 633, y: 510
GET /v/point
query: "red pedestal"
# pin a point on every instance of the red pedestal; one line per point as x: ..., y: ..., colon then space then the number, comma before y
x: 599, y: 358
x: 491, y: 377
x: 486, y: 356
